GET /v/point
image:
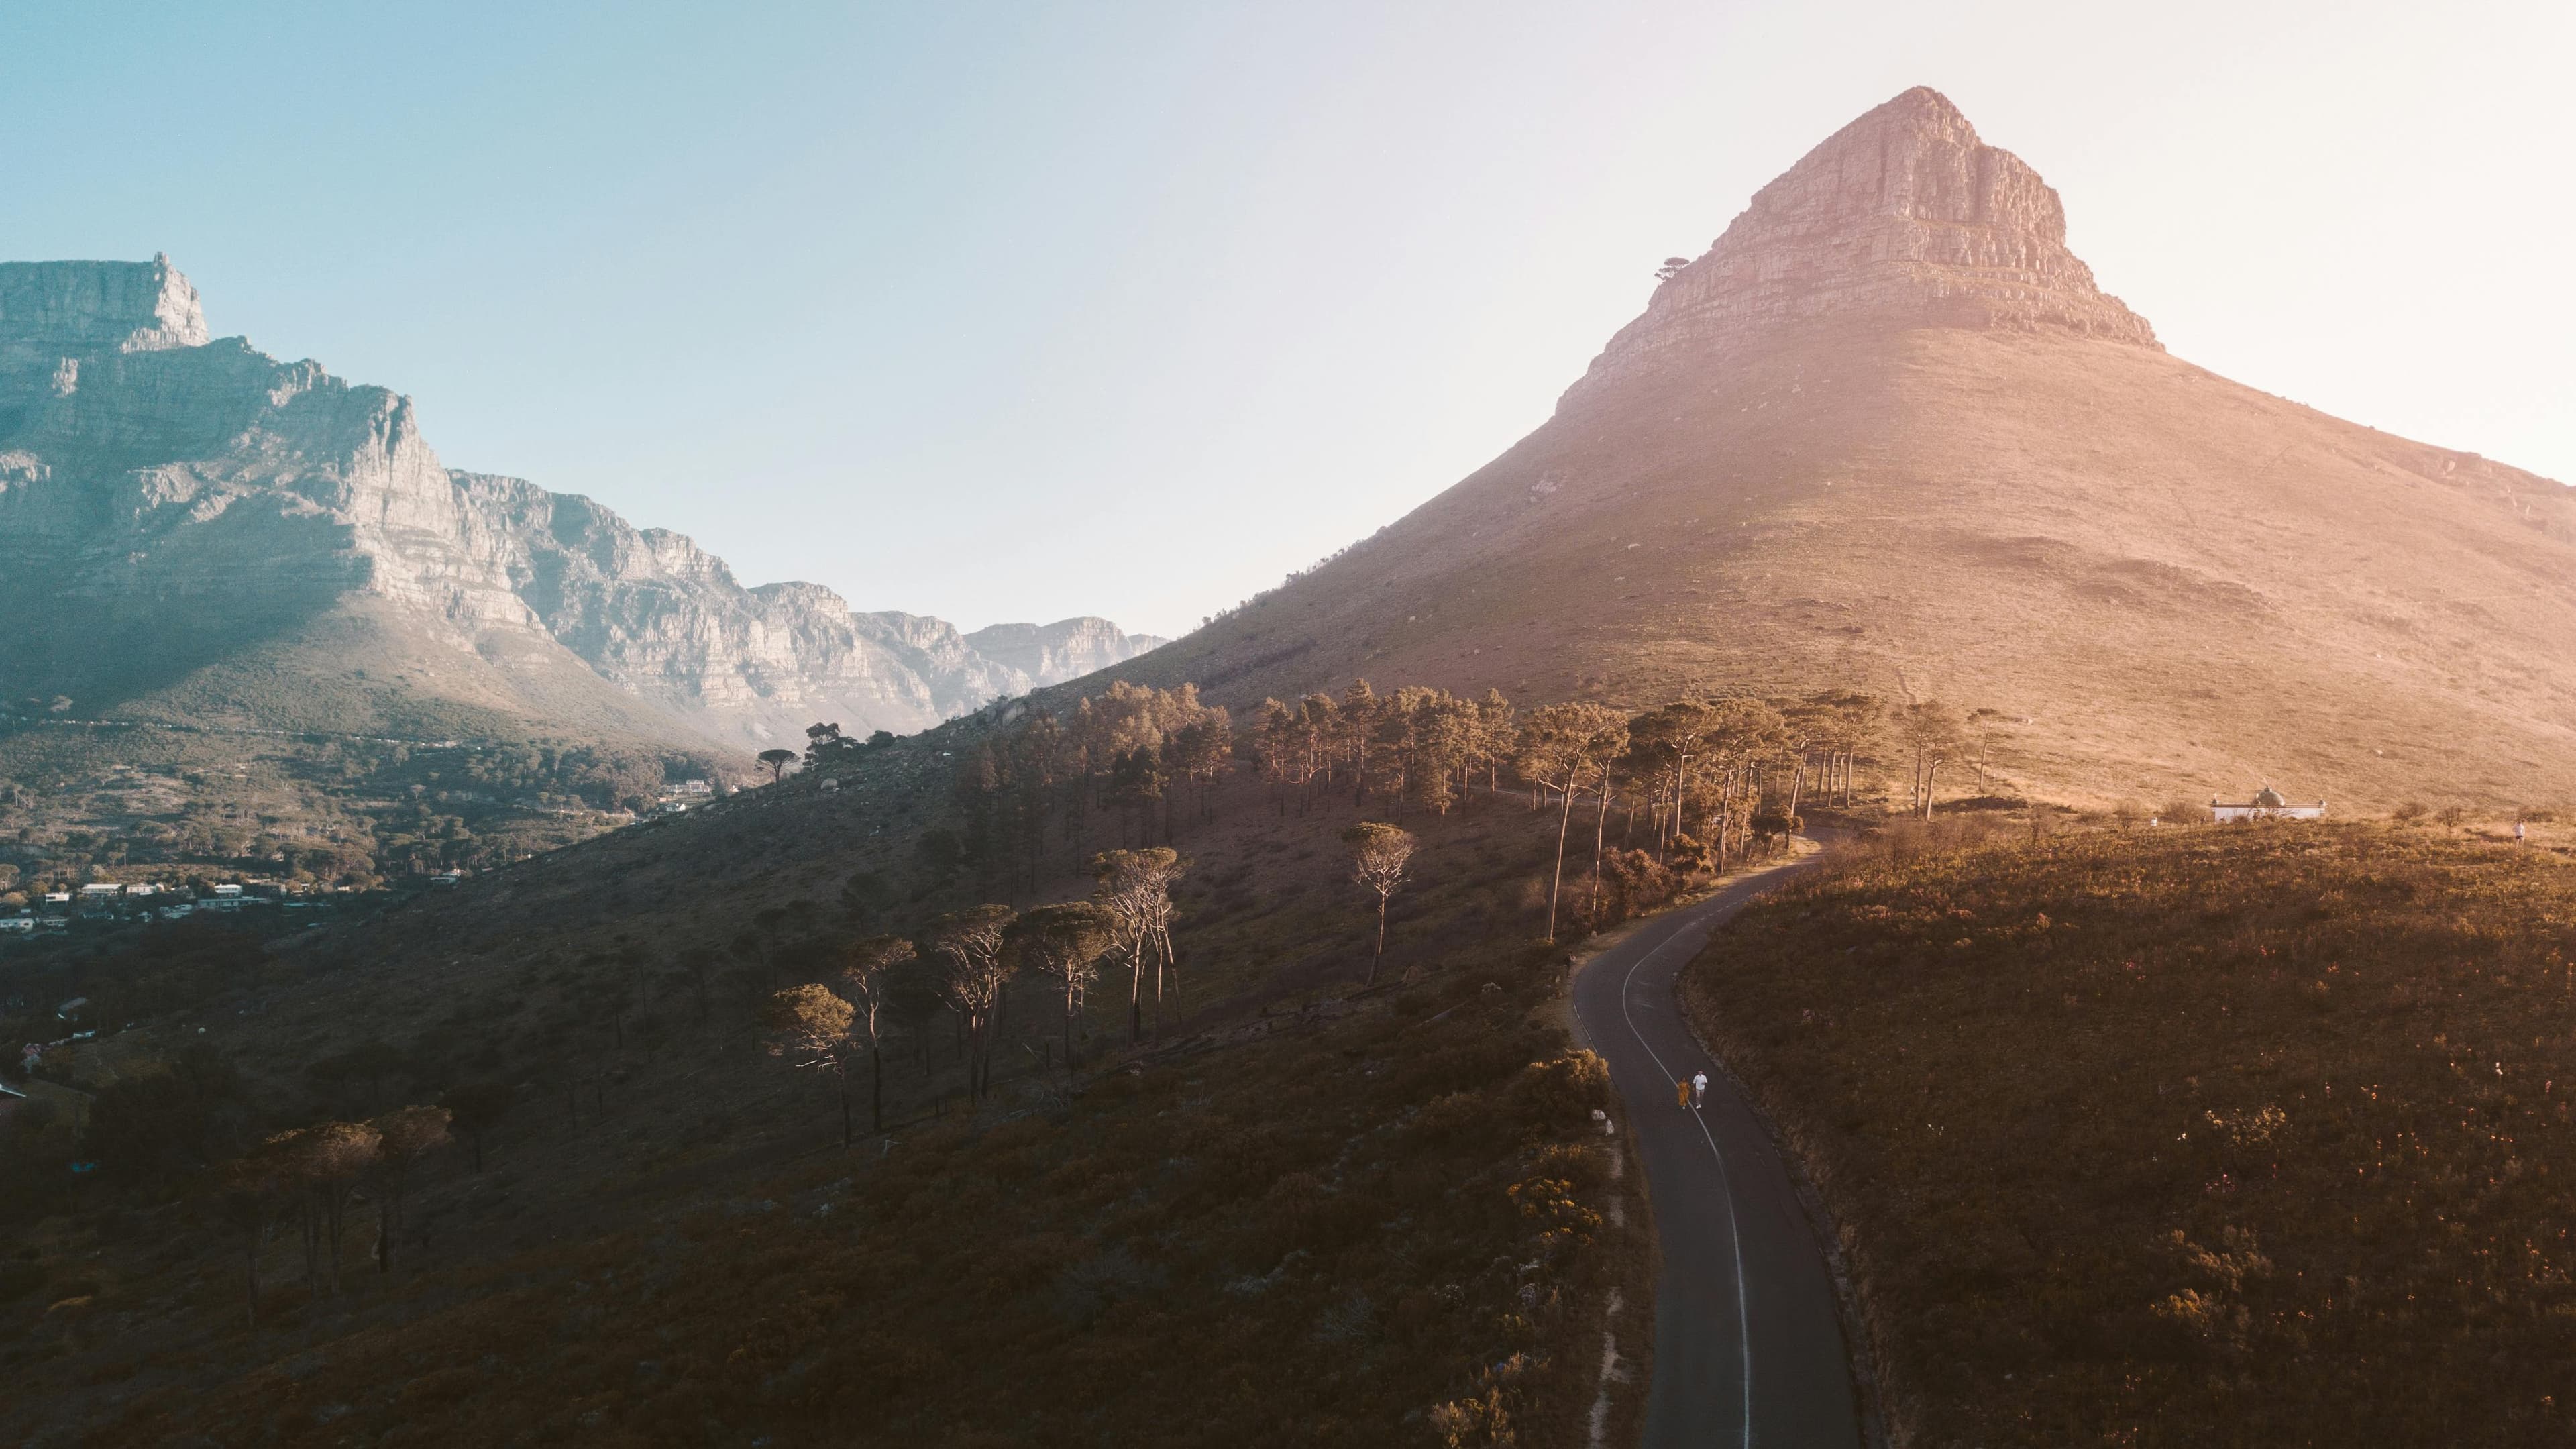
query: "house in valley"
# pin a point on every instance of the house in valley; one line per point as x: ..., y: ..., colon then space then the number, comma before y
x: 2267, y: 804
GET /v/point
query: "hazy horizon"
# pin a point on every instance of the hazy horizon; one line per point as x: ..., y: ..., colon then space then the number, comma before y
x: 836, y: 292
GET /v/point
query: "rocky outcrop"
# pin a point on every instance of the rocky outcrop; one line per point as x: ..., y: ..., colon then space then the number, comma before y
x: 1903, y: 216
x: 77, y: 309
x: 158, y: 487
x: 1065, y: 649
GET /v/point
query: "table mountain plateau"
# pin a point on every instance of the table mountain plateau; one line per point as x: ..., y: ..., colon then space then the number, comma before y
x: 1888, y: 434
x: 192, y: 530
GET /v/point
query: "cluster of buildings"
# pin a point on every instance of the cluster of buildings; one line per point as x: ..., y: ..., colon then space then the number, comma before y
x: 54, y: 910
x: 680, y: 798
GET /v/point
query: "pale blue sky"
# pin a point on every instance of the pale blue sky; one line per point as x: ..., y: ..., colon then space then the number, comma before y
x: 1003, y: 312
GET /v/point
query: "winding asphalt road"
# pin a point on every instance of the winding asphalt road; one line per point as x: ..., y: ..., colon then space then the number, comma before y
x: 1748, y: 1340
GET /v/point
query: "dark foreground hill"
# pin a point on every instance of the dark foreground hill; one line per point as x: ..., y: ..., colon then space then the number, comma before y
x: 2236, y: 1135
x: 1297, y: 1212
x: 1887, y: 435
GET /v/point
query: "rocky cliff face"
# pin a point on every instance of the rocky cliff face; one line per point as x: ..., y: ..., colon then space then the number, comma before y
x: 167, y: 500
x: 1902, y: 217
x: 1066, y: 649
x: 72, y: 309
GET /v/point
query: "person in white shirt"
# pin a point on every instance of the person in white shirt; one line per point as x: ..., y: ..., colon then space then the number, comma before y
x: 1699, y: 1088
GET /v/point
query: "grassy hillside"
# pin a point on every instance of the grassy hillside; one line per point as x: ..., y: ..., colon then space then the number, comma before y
x: 2171, y: 577
x: 138, y: 802
x: 351, y: 751
x: 1309, y: 1212
x: 2210, y: 1136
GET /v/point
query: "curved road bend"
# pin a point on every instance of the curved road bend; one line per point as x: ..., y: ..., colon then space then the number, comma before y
x: 1748, y: 1342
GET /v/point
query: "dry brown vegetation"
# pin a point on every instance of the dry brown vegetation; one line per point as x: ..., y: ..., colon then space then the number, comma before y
x: 613, y: 1088
x: 2212, y: 1136
x: 167, y: 804
x: 2173, y: 576
x: 1379, y: 1222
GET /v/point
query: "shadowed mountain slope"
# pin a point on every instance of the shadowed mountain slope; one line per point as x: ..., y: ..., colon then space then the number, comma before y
x: 1887, y: 434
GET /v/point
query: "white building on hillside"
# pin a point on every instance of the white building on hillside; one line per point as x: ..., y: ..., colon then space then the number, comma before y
x: 2267, y: 804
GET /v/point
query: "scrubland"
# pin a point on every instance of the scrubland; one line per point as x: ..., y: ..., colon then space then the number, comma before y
x: 2207, y: 1136
x: 1380, y: 1223
x: 1300, y: 1212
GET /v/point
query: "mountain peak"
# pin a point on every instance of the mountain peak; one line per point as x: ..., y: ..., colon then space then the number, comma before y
x: 52, y: 310
x: 1925, y: 104
x: 1904, y: 216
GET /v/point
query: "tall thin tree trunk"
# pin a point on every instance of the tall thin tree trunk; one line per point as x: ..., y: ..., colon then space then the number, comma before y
x: 1564, y: 820
x: 1600, y: 830
x: 1681, y: 780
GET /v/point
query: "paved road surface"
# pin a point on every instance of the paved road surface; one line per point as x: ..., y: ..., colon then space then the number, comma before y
x: 1748, y: 1343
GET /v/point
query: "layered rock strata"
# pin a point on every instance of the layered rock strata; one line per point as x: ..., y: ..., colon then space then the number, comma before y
x: 70, y: 309
x: 1066, y: 649
x: 172, y: 497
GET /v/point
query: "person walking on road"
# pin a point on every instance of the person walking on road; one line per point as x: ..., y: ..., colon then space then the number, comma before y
x: 1699, y: 1089
x: 1681, y: 1094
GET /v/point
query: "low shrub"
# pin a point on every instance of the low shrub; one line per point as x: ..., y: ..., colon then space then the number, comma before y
x: 2187, y: 1137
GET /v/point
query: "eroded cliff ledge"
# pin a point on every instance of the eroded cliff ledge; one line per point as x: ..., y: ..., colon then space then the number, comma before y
x: 1903, y: 218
